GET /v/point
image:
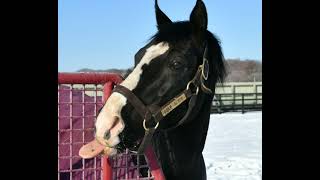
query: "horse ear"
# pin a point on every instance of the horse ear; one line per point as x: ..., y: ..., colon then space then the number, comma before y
x: 198, y: 16
x: 161, y: 17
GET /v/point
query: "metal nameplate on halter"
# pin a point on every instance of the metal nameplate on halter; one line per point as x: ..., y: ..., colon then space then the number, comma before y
x: 177, y: 101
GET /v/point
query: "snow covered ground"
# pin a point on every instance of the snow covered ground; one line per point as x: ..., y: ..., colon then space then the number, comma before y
x: 233, y: 149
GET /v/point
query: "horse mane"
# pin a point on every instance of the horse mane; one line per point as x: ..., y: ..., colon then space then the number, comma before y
x: 216, y: 57
x: 182, y: 30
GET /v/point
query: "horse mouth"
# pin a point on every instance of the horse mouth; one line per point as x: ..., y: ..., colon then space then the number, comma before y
x: 96, y: 147
x: 103, y: 145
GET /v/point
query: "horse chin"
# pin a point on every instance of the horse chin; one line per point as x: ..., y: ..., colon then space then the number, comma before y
x: 128, y: 141
x: 110, y: 152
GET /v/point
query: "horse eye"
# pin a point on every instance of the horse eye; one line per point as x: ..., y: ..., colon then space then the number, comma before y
x: 176, y: 65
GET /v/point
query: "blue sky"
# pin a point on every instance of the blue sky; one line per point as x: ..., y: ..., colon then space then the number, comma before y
x: 103, y: 34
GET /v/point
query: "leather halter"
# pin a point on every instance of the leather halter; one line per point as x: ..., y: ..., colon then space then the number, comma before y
x: 152, y: 115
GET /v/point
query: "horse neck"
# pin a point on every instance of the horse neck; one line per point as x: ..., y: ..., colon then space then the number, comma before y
x: 182, y: 147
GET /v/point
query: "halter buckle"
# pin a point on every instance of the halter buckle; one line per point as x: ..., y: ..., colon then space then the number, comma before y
x: 147, y: 129
x: 188, y: 87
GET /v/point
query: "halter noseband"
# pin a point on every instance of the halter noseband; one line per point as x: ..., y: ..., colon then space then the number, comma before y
x: 154, y: 114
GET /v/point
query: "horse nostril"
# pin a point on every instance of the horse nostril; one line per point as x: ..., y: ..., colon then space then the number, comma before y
x: 107, y: 134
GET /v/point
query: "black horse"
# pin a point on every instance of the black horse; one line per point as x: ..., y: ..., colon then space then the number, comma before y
x: 177, y: 54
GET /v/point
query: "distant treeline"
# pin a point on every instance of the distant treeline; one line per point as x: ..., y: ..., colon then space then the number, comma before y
x: 244, y: 70
x: 238, y: 70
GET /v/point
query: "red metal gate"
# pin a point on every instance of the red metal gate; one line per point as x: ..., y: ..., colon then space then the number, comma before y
x: 80, y: 96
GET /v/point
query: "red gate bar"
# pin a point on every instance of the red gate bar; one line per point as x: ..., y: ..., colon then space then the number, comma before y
x: 156, y: 171
x: 88, y: 78
x: 106, y: 166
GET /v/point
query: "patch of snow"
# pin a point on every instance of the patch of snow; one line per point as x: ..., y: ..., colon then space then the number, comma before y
x: 233, y: 149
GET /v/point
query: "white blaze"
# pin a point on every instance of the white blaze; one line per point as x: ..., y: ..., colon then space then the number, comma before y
x: 107, y: 119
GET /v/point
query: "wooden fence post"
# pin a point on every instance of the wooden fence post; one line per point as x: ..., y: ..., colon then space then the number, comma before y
x: 242, y: 103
